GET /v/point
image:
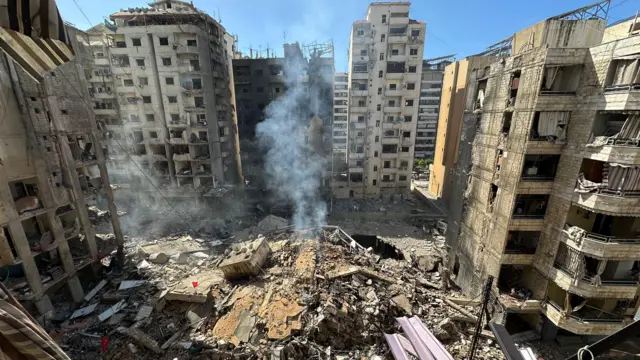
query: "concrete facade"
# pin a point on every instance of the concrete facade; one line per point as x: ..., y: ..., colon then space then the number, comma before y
x: 535, y: 120
x: 340, y: 181
x: 161, y: 84
x: 428, y: 107
x: 52, y: 163
x: 385, y: 60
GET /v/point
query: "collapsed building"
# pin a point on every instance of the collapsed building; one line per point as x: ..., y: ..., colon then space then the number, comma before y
x: 542, y: 184
x: 53, y: 163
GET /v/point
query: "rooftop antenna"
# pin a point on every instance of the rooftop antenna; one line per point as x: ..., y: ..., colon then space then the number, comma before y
x: 219, y: 17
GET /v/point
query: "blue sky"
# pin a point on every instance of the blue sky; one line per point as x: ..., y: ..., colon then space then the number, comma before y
x: 459, y: 27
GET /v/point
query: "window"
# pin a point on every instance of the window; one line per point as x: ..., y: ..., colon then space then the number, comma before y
x: 143, y: 80
x: 375, y: 153
x: 172, y: 99
x: 221, y: 131
x: 381, y: 56
x: 175, y: 117
x: 395, y: 52
x: 362, y: 103
x: 380, y: 74
x: 379, y: 91
x: 386, y: 164
x: 359, y: 163
x: 413, y: 52
x: 360, y: 118
x: 415, y: 33
x: 402, y: 178
x: 408, y: 102
x: 153, y: 134
x: 384, y: 19
x: 363, y: 52
x: 260, y: 90
x: 261, y: 106
x: 192, y: 42
x: 382, y: 37
x: 378, y: 107
x: 277, y: 90
x: 377, y: 123
x: 375, y: 182
x: 146, y: 99
x: 168, y: 81
x: 392, y: 103
x: 360, y: 32
x: 392, y: 86
x: 408, y: 118
x: 405, y: 149
x: 412, y: 68
x: 245, y: 90
x: 166, y: 61
x: 259, y: 72
x: 136, y: 42
x: 375, y: 167
x: 406, y: 134
x: 140, y: 62
x: 411, y: 86
x: 164, y: 41
x: 127, y: 82
x: 150, y: 117
x: 377, y: 138
x: 64, y: 112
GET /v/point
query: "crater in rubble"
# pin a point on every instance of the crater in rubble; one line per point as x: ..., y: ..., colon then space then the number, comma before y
x: 385, y: 250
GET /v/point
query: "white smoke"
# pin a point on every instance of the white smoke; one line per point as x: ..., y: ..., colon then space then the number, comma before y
x: 293, y: 170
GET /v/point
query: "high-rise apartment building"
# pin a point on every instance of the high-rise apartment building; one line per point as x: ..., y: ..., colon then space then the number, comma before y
x: 161, y: 85
x: 53, y: 165
x: 385, y: 62
x: 340, y: 167
x: 545, y: 191
x: 430, y: 91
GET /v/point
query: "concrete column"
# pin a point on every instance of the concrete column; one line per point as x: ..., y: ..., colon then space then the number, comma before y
x: 73, y: 283
x: 108, y: 194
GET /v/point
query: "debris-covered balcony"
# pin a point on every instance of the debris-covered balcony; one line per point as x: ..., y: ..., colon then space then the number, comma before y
x: 561, y: 80
x: 602, y: 235
x: 25, y: 197
x: 514, y: 84
x: 177, y: 135
x: 615, y: 137
x: 623, y: 74
x: 513, y: 287
x: 612, y: 179
x: 587, y: 276
x: 585, y: 315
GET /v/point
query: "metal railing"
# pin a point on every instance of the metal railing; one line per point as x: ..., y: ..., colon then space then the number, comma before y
x: 589, y: 314
x: 609, y: 239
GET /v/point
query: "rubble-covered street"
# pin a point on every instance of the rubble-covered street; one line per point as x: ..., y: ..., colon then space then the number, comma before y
x: 282, y: 295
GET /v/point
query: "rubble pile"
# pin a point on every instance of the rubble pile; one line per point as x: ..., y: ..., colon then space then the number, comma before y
x: 289, y: 295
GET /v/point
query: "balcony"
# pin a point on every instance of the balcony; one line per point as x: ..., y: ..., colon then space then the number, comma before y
x: 360, y: 76
x: 358, y: 109
x: 582, y: 322
x: 194, y: 108
x: 184, y: 49
x: 608, y: 188
x: 392, y: 109
x: 560, y: 80
x: 358, y: 92
x: 615, y: 138
x: 397, y: 57
x: 394, y: 75
x: 521, y: 247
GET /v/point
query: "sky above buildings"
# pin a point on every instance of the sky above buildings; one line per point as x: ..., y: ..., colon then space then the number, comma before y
x: 461, y: 27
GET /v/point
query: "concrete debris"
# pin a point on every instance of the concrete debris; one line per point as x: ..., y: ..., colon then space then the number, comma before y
x: 83, y: 311
x: 158, y: 258
x: 302, y: 294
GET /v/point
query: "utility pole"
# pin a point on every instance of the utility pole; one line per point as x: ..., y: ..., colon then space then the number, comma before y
x: 485, y: 300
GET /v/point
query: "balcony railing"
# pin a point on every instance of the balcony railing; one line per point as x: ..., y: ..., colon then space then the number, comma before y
x: 609, y: 239
x: 589, y: 314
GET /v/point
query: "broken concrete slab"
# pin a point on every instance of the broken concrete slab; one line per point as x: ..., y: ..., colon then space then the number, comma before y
x: 305, y: 265
x: 141, y: 338
x: 83, y: 311
x: 112, y: 310
x: 183, y: 244
x: 116, y: 319
x: 95, y: 290
x: 143, y: 313
x: 246, y: 259
x: 185, y: 291
x: 403, y: 303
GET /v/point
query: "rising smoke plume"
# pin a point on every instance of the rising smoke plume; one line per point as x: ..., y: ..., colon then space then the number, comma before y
x: 293, y: 164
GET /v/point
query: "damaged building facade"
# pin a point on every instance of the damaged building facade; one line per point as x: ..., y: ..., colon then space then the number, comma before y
x: 340, y: 135
x: 545, y: 190
x: 52, y: 166
x: 385, y: 60
x: 430, y: 92
x: 161, y: 84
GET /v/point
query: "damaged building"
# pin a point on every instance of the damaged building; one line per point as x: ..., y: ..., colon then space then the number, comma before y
x: 385, y: 60
x: 52, y: 165
x: 543, y: 184
x: 160, y: 81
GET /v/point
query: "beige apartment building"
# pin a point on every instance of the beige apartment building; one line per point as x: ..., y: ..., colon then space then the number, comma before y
x: 385, y: 68
x: 545, y: 191
x: 161, y: 85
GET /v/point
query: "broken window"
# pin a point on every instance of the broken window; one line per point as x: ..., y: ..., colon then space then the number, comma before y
x: 395, y: 67
x: 506, y: 122
x: 384, y: 19
x: 408, y: 102
x: 380, y: 74
x: 408, y: 118
x: 136, y: 42
x: 192, y: 42
x: 413, y: 69
x: 146, y: 99
x: 166, y: 61
x: 624, y: 72
x: 530, y: 206
x: 560, y: 80
x: 140, y: 62
x: 480, y: 94
x: 164, y: 41
x: 382, y: 37
x: 127, y: 82
x: 355, y: 177
x: 411, y: 86
x: 150, y: 117
x: 515, y: 83
x: 359, y: 68
x: 550, y: 126
x: 404, y: 149
x: 413, y: 52
x: 198, y: 101
x: 522, y: 242
x: 493, y: 193
x: 540, y: 167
